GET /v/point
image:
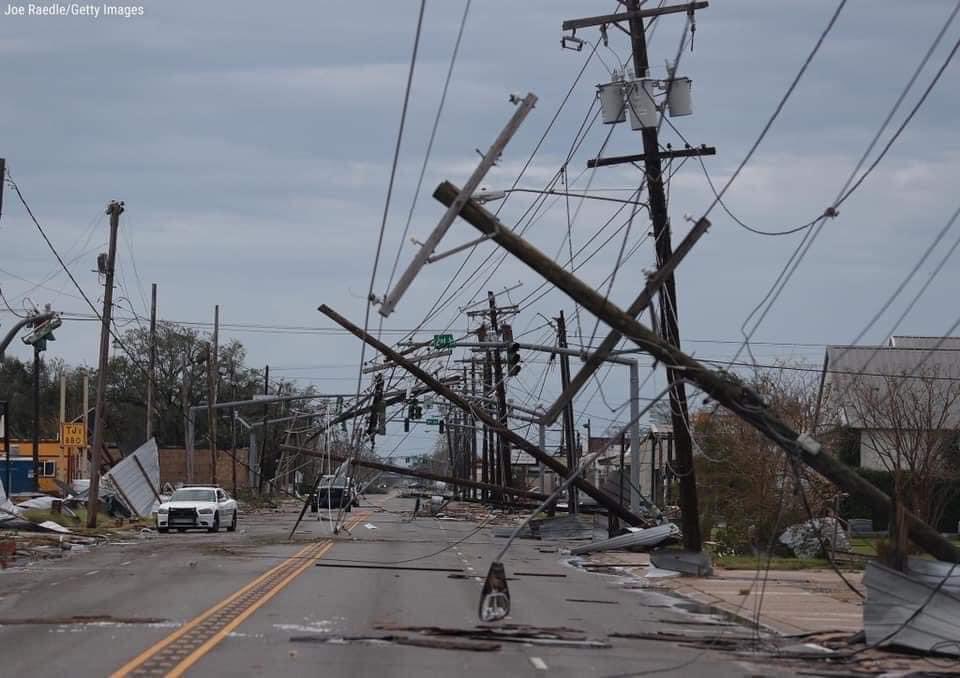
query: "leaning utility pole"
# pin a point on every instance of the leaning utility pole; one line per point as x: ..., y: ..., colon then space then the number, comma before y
x: 435, y: 385
x: 721, y: 386
x: 114, y: 209
x: 568, y: 424
x: 152, y: 373
x: 212, y: 373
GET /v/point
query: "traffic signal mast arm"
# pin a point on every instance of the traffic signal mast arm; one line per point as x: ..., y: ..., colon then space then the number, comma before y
x: 722, y: 387
x: 32, y: 320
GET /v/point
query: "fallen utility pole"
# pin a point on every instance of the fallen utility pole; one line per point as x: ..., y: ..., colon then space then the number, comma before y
x: 722, y: 387
x: 426, y: 251
x: 114, y: 209
x: 601, y: 497
x: 603, y: 351
x: 414, y: 473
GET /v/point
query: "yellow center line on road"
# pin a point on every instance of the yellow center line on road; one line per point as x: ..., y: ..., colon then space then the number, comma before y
x: 176, y: 653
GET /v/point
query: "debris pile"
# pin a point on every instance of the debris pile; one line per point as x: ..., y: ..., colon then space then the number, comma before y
x: 808, y: 540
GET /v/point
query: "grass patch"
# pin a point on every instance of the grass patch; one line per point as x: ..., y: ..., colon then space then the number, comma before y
x: 749, y: 562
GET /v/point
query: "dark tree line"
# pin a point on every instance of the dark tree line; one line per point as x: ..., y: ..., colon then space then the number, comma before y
x: 180, y: 382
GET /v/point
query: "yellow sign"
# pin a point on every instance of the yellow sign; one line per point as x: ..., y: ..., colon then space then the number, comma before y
x: 74, y: 435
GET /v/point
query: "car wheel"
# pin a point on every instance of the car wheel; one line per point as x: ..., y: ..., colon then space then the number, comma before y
x: 233, y: 523
x: 162, y: 530
x: 216, y: 523
x: 181, y: 529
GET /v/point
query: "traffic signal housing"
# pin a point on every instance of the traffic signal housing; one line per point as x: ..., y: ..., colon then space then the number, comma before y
x: 513, y: 359
x: 42, y: 333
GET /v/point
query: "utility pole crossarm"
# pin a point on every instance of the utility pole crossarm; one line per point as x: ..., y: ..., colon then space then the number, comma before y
x: 603, y: 19
x: 641, y: 157
x: 654, y: 283
x: 428, y: 247
x: 730, y: 393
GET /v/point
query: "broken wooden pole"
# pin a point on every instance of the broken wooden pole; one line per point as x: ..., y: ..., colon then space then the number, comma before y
x: 722, y: 387
x: 416, y: 473
x: 601, y: 497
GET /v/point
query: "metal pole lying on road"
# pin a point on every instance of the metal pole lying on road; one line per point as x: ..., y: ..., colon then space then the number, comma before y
x: 414, y: 473
x: 722, y: 387
x: 601, y: 497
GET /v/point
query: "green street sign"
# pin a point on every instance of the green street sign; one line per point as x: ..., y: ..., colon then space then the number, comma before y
x: 432, y: 421
x: 443, y: 341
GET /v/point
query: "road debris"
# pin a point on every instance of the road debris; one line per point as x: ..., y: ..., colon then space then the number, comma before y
x: 557, y: 636
x: 388, y: 566
x: 79, y: 619
x: 394, y: 639
x: 919, y: 610
x: 809, y: 539
x: 637, y: 538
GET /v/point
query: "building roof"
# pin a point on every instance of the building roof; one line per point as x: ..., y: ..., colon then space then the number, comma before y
x: 914, y: 361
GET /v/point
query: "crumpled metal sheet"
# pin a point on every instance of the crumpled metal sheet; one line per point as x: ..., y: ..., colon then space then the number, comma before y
x: 136, y: 484
x: 649, y: 538
x: 7, y: 510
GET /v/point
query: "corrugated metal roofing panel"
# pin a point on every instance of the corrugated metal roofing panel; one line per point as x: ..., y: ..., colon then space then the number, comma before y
x: 137, y: 478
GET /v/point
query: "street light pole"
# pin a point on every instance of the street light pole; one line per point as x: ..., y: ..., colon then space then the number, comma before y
x: 36, y: 417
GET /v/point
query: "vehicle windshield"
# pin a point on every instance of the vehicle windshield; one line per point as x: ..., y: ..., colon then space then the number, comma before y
x: 194, y: 495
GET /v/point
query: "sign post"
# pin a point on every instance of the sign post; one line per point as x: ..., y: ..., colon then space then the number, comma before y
x: 73, y: 435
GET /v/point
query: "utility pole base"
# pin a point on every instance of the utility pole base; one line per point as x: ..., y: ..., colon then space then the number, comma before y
x: 688, y: 563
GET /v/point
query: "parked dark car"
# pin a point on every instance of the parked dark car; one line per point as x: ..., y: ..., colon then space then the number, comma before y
x: 338, y: 493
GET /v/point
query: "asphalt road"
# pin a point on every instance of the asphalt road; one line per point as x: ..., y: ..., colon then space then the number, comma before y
x: 144, y: 607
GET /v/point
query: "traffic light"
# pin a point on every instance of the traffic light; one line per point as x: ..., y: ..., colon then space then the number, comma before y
x: 513, y: 350
x: 42, y: 333
x: 513, y: 359
x: 414, y: 410
x: 378, y: 420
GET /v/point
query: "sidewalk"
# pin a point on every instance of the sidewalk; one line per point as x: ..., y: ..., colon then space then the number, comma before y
x: 794, y: 602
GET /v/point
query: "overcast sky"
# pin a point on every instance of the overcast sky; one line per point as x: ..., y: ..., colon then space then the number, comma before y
x: 252, y: 145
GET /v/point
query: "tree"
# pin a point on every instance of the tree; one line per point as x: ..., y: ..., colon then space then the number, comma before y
x: 745, y: 483
x: 180, y: 383
x: 908, y: 425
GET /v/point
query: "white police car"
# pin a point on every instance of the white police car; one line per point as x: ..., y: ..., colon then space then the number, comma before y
x: 198, y: 507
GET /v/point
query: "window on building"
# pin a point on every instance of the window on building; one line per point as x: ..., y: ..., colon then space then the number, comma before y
x: 49, y: 469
